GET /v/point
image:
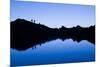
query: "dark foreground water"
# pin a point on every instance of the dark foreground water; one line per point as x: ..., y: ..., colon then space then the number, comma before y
x: 56, y: 51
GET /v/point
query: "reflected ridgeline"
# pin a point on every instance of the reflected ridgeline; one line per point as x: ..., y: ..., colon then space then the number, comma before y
x: 26, y: 34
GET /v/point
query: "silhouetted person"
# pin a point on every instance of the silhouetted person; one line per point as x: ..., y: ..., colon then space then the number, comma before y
x: 33, y: 21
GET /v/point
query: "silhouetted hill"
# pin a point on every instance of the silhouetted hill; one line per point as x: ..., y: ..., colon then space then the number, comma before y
x: 25, y: 34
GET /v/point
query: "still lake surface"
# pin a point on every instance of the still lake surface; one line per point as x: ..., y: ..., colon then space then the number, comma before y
x: 56, y: 51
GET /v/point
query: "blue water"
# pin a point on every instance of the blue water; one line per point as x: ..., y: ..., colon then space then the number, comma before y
x: 56, y: 51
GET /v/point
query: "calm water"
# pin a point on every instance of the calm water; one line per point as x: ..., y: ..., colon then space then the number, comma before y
x: 56, y: 51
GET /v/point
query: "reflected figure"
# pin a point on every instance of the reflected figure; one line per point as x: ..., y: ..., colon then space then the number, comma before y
x: 26, y: 34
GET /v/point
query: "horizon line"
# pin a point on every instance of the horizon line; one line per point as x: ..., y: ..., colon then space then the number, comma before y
x: 54, y: 27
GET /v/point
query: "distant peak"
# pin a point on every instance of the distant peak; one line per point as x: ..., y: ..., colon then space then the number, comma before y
x: 20, y: 19
x: 63, y: 27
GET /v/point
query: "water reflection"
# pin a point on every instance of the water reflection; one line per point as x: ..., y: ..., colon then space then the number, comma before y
x: 23, y: 44
x: 56, y: 51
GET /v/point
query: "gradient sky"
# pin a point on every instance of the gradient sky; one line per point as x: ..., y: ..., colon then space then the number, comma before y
x: 54, y: 15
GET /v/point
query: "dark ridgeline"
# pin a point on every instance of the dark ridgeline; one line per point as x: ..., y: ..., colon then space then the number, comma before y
x: 26, y: 34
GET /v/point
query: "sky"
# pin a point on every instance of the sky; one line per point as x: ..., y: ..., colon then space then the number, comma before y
x: 54, y: 15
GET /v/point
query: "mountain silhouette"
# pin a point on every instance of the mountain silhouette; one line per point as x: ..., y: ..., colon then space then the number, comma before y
x: 26, y: 34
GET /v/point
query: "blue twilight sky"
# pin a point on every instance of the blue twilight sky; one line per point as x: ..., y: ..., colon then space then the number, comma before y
x: 54, y: 15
